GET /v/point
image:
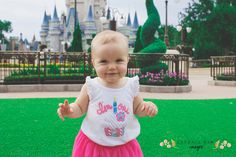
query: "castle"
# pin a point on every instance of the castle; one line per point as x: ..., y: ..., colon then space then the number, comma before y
x: 92, y: 16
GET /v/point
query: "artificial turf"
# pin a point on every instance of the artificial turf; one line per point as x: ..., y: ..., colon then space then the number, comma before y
x: 31, y: 128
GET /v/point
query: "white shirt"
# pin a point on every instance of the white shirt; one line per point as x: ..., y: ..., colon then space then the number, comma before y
x: 110, y: 120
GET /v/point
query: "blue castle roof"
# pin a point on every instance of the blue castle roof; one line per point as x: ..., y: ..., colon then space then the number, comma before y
x: 45, y: 18
x: 129, y: 20
x: 55, y: 16
x: 72, y: 14
x: 90, y: 14
x: 49, y: 18
x: 135, y: 23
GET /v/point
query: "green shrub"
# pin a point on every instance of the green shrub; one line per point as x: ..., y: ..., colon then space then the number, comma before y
x: 34, y: 78
x: 226, y: 77
x: 53, y: 69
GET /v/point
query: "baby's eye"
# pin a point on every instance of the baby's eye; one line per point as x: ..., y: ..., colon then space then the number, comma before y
x: 102, y: 61
x: 119, y: 60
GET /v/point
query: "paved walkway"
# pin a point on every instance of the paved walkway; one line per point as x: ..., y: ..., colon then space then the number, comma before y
x: 198, y: 77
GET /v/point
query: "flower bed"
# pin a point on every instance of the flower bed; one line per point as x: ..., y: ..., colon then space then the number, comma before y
x: 164, y: 79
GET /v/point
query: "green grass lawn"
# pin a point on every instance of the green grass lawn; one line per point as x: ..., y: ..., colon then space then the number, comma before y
x: 30, y: 127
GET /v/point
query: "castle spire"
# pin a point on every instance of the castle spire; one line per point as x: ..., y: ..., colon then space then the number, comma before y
x: 90, y: 14
x: 45, y: 18
x: 55, y: 16
x: 129, y: 20
x: 21, y: 38
x: 135, y: 23
x: 108, y: 14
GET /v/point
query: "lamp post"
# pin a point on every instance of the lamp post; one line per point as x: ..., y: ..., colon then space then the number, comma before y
x: 184, y: 32
x: 166, y: 26
x: 75, y: 15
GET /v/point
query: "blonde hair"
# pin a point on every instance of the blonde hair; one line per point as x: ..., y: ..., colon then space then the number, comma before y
x: 107, y: 37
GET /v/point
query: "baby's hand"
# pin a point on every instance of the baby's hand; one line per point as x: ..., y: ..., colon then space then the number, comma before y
x: 149, y: 108
x: 64, y: 110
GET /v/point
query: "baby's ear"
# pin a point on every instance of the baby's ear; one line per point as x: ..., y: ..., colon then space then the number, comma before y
x: 92, y: 61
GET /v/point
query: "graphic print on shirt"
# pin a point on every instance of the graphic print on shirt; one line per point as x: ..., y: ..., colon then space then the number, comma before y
x: 120, y: 113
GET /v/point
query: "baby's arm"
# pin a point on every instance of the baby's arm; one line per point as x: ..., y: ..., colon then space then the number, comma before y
x: 143, y: 108
x: 76, y: 109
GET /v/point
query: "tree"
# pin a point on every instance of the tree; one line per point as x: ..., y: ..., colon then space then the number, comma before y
x: 229, y: 2
x: 221, y: 25
x: 76, y: 45
x: 138, y: 44
x: 213, y: 26
x: 5, y: 26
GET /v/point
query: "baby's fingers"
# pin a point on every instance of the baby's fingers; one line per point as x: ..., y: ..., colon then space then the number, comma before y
x: 149, y: 110
x: 60, y: 114
x: 66, y: 103
x: 152, y: 110
x: 152, y: 113
x: 62, y: 108
x: 144, y: 107
x: 67, y: 106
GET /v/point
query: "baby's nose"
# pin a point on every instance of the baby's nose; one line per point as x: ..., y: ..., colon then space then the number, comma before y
x: 112, y: 66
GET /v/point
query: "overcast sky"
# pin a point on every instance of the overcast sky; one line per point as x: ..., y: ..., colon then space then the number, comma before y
x: 27, y: 15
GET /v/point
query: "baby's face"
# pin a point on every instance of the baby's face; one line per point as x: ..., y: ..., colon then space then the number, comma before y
x: 110, y: 62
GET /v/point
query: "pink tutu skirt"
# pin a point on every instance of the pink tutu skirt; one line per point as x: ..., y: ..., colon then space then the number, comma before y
x: 84, y: 147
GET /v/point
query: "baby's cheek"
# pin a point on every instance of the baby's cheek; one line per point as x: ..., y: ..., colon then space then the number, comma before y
x: 123, y: 67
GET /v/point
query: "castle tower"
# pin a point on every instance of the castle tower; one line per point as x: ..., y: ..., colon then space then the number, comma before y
x: 44, y: 29
x: 21, y: 43
x: 135, y: 23
x: 89, y: 28
x: 13, y: 43
x: 54, y: 32
x: 135, y: 27
x: 81, y: 6
x: 89, y: 25
x: 128, y: 30
x: 70, y: 23
x: 91, y: 16
x: 105, y: 21
x: 98, y: 9
x: 63, y: 26
x: 129, y: 21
